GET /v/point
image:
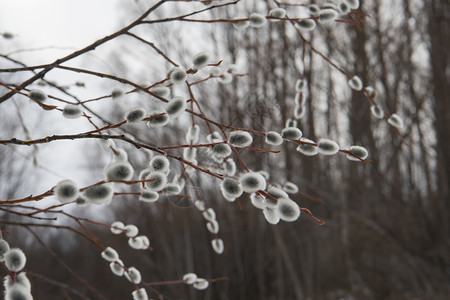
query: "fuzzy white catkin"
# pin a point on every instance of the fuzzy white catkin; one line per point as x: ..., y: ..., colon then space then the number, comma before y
x: 221, y: 150
x: 145, y: 241
x: 18, y: 292
x: 327, y: 147
x: 148, y: 196
x: 144, y: 173
x: 377, y: 112
x: 121, y: 155
x: 217, y: 245
x: 190, y: 278
x: 306, y: 24
x: 290, y: 188
x: 265, y: 174
x: 209, y: 214
x: 159, y: 163
x: 66, y: 191
x: 291, y: 133
x: 119, y: 171
x: 177, y: 75
x: 273, y: 138
x: 193, y: 134
x: 271, y: 216
x: 175, y: 107
x: 15, y: 260
x: 38, y: 95
x: 353, y: 4
x: 159, y: 180
x: 117, y: 93
x: 240, y: 139
x: 135, y: 243
x: 355, y: 83
x: 71, y: 111
x: 189, y: 154
x: 277, y: 13
x: 257, y: 20
x: 161, y: 91
x: 100, y: 194
x: 109, y: 254
x: 287, y: 210
x: 200, y: 205
x: 327, y: 15
x: 252, y: 182
x: 313, y: 9
x: 21, y: 279
x: 213, y: 226
x: 158, y: 119
x: 135, y: 115
x: 290, y: 123
x: 230, y: 167
x: 240, y: 24
x: 172, y: 189
x: 117, y: 267
x: 133, y: 275
x: 358, y: 151
x: 231, y: 187
x: 214, y: 137
x: 4, y: 247
x: 299, y: 111
x: 301, y: 85
x: 343, y: 8
x: 257, y: 201
x: 200, y: 60
x: 395, y: 121
x: 201, y: 284
x: 306, y: 149
x: 140, y: 294
x: 117, y: 227
x: 131, y: 230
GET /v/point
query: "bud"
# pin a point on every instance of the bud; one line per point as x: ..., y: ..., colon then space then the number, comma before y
x: 355, y: 83
x: 287, y: 210
x: 140, y: 294
x: 109, y: 254
x: 353, y: 4
x: 38, y: 95
x: 158, y: 119
x: 131, y: 230
x: 327, y: 147
x: 15, y: 259
x: 201, y: 60
x: 230, y: 167
x: 240, y: 139
x: 213, y: 226
x: 221, y: 150
x: 291, y: 133
x: 306, y: 24
x: 117, y: 267
x: 240, y: 24
x: 200, y: 284
x: 66, y: 191
x: 176, y: 107
x: 133, y: 275
x: 257, y: 20
x: 217, y: 245
x: 148, y: 196
x: 313, y: 9
x: 290, y: 188
x: 327, y: 15
x: 190, y: 278
x: 377, y: 112
x: 395, y: 121
x: 231, y: 187
x: 159, y: 163
x: 161, y: 91
x: 357, y: 151
x: 271, y: 216
x: 306, y: 149
x: 100, y: 194
x: 117, y: 227
x: 135, y: 115
x: 72, y: 111
x: 258, y: 201
x: 177, y: 75
x: 252, y: 182
x: 158, y: 183
x: 119, y: 171
x: 18, y: 292
x: 117, y: 93
x: 193, y: 134
x: 4, y: 247
x: 273, y: 138
x: 277, y: 13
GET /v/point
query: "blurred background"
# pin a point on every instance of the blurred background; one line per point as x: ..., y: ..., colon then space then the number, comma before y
x: 386, y: 233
